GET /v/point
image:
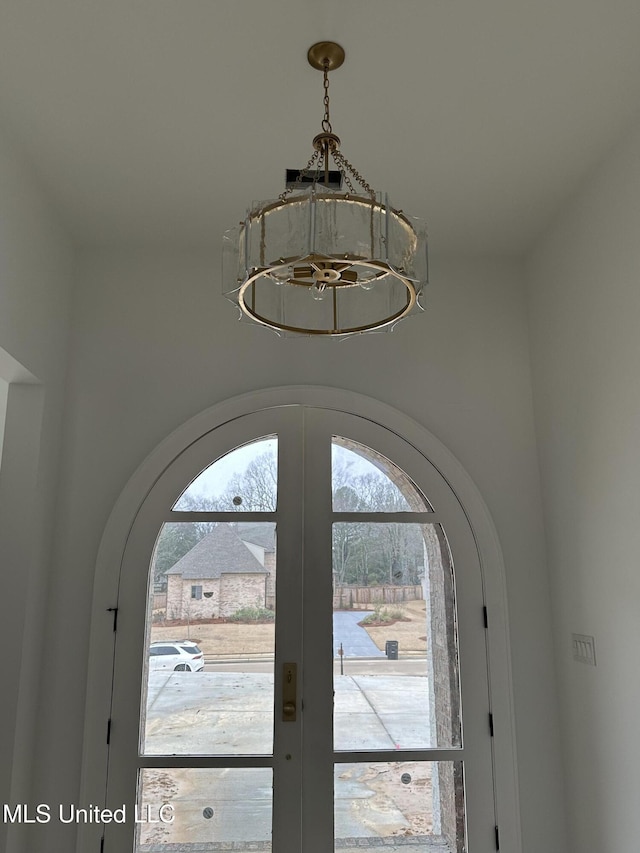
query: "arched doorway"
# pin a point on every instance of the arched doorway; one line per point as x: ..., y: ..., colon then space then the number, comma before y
x: 386, y: 747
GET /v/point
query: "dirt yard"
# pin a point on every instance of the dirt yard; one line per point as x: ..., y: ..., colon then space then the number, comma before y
x: 411, y: 635
x: 231, y: 639
x: 222, y: 638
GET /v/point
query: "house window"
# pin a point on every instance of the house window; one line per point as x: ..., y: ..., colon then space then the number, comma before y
x: 196, y: 592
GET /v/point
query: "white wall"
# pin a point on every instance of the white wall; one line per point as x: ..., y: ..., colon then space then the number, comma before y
x: 35, y: 276
x: 154, y: 344
x: 584, y: 298
x: 4, y: 391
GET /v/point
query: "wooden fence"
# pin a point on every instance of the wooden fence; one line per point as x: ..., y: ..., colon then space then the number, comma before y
x: 347, y: 597
x: 159, y: 601
x: 366, y: 597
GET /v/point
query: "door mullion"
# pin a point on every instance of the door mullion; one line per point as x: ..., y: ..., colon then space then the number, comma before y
x: 317, y: 801
x: 382, y: 755
x: 387, y: 517
x: 287, y: 750
x: 228, y: 517
x: 206, y: 761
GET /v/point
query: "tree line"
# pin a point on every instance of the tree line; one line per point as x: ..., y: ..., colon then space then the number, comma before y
x: 364, y: 553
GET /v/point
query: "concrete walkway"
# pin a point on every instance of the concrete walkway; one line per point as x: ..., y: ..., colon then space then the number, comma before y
x: 231, y: 713
x: 355, y: 640
x: 377, y: 705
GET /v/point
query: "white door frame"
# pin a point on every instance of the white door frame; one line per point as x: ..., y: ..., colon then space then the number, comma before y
x: 121, y: 520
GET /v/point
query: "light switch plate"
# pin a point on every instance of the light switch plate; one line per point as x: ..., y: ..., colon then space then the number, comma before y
x: 584, y: 648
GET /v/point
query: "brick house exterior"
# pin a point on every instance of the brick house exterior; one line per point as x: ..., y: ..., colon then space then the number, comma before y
x: 261, y: 540
x: 228, y: 569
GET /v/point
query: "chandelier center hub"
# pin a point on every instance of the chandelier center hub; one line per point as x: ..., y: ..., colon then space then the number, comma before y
x: 326, y: 141
x: 326, y: 276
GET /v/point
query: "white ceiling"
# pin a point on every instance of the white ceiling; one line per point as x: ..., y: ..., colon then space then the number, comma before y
x: 156, y: 121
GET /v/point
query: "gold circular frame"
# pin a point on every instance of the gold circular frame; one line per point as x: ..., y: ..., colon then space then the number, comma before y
x: 385, y: 269
x: 256, y: 218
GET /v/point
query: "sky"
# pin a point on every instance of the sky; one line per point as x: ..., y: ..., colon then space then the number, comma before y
x: 214, y: 479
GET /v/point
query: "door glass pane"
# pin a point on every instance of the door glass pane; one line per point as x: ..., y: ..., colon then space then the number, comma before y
x: 204, y: 809
x: 208, y: 668
x: 417, y: 805
x: 394, y: 638
x: 243, y: 480
x: 363, y: 480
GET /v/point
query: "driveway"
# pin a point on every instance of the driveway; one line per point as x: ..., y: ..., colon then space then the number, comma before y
x: 355, y: 640
x: 231, y: 713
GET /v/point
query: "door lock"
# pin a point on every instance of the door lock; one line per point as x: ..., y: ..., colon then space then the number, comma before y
x: 289, y: 692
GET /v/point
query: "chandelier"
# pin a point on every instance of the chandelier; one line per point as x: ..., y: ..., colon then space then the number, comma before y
x: 329, y: 256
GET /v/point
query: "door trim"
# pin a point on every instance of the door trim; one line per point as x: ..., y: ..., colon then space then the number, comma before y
x: 132, y: 497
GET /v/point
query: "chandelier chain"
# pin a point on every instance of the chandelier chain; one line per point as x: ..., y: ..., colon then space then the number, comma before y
x: 315, y: 158
x: 348, y: 167
x: 345, y: 174
x: 326, y: 121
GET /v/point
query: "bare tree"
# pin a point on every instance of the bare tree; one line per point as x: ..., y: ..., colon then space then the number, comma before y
x: 364, y: 553
x: 255, y: 489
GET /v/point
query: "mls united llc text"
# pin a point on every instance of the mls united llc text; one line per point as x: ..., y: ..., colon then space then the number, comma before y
x: 69, y: 813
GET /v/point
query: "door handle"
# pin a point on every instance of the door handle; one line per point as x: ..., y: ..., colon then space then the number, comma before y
x: 289, y: 692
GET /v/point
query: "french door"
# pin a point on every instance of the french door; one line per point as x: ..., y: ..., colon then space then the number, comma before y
x: 325, y: 574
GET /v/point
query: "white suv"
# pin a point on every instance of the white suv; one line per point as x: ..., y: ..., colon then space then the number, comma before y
x: 180, y: 655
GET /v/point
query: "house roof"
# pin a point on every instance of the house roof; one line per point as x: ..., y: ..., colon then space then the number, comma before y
x: 219, y: 552
x: 262, y: 534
